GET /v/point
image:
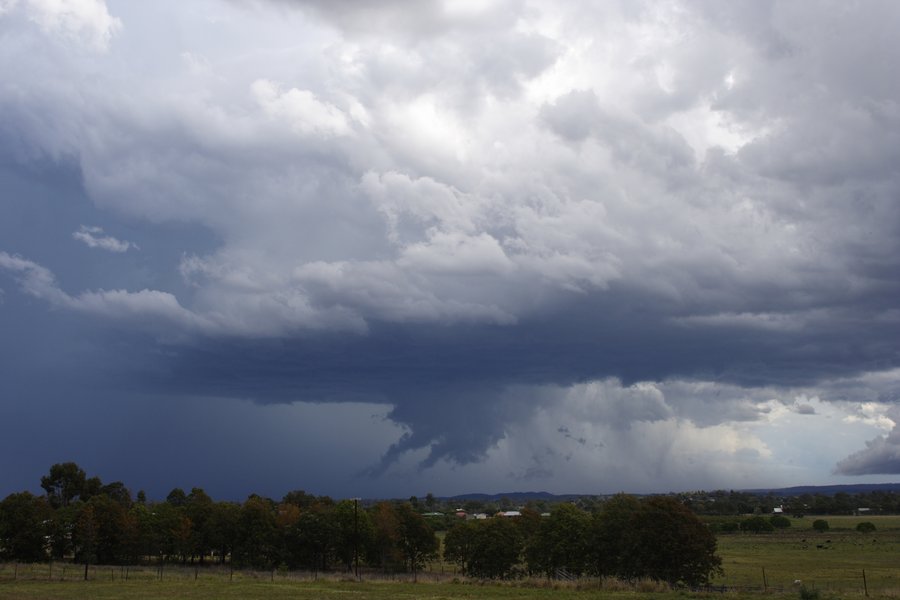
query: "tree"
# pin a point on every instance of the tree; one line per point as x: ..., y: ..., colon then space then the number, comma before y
x: 257, y: 540
x: 820, y: 525
x: 85, y: 536
x: 561, y: 543
x: 22, y: 527
x: 352, y: 533
x: 118, y: 492
x: 177, y: 498
x: 199, y: 508
x: 865, y: 527
x: 63, y: 484
x: 757, y: 525
x: 299, y: 498
x: 222, y: 526
x: 384, y: 549
x: 102, y: 529
x: 613, y: 538
x: 677, y: 546
x: 657, y: 537
x: 309, y: 541
x: 418, y: 543
x: 488, y: 549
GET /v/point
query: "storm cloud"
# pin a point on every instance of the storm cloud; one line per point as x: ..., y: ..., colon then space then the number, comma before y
x: 491, y: 224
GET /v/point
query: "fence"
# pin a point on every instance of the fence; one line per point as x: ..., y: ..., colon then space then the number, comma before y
x: 884, y: 582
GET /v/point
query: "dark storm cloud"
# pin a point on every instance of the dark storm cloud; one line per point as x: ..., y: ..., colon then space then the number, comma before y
x: 457, y: 388
x: 463, y: 213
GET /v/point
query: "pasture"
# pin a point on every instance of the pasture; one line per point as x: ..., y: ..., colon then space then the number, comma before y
x: 833, y: 560
x: 831, y: 563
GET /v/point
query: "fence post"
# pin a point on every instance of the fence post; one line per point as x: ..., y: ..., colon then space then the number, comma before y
x: 765, y: 583
x: 865, y: 585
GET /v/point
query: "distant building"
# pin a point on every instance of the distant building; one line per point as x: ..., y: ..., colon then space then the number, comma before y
x: 777, y: 510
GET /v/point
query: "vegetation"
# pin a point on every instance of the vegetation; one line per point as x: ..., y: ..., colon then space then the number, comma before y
x: 658, y: 540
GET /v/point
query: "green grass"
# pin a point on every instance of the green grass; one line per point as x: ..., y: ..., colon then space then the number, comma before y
x: 835, y: 570
x: 832, y: 560
x: 250, y: 590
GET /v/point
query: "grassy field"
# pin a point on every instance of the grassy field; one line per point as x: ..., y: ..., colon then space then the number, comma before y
x: 832, y: 560
x: 831, y: 563
x: 251, y: 590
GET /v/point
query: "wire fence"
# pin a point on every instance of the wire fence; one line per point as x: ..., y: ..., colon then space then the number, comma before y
x: 864, y: 584
x: 68, y: 571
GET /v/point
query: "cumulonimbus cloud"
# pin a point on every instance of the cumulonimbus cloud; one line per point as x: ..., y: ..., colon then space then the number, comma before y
x: 541, y: 197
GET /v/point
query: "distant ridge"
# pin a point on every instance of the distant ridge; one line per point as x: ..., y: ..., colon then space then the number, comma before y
x: 515, y: 496
x: 827, y: 490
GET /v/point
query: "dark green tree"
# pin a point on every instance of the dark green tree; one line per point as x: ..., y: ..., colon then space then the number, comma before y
x: 118, y: 492
x: 613, y: 538
x: 352, y: 531
x: 757, y: 525
x: 418, y: 543
x: 489, y: 549
x: 63, y: 484
x: 222, y: 527
x: 102, y: 531
x: 257, y: 537
x: 677, y: 547
x: 198, y: 509
x: 310, y: 541
x: 561, y: 543
x: 23, y: 520
x: 177, y: 498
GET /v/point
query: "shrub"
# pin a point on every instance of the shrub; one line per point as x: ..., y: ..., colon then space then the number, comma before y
x: 820, y: 525
x: 780, y: 521
x: 866, y: 527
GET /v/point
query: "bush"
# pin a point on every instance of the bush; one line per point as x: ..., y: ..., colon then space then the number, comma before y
x: 780, y: 521
x: 756, y: 525
x: 820, y: 525
x: 866, y: 527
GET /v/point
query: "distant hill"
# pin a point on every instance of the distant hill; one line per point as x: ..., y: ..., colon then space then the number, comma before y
x: 514, y: 496
x: 828, y: 490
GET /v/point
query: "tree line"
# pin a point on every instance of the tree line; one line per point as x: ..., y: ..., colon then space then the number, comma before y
x: 81, y: 519
x: 655, y: 537
x: 733, y: 502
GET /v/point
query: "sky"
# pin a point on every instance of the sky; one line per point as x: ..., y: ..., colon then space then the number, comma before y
x: 382, y: 248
